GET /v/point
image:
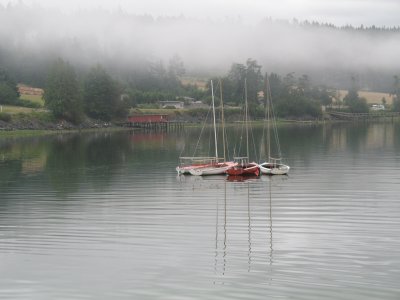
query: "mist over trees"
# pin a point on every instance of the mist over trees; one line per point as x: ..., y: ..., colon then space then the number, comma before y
x: 99, y: 96
x: 102, y: 57
x: 133, y: 47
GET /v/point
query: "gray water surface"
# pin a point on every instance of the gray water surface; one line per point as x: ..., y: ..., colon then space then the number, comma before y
x: 105, y: 216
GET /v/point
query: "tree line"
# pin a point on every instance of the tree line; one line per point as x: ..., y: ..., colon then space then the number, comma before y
x: 71, y: 95
x: 99, y: 95
x: 293, y: 97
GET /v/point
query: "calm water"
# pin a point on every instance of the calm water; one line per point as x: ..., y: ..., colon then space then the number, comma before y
x: 104, y: 216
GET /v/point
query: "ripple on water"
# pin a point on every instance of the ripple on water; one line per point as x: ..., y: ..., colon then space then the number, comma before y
x: 329, y: 230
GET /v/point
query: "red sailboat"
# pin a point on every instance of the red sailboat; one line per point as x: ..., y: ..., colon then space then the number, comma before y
x: 244, y: 167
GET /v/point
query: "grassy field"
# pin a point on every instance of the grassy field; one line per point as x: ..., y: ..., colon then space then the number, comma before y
x: 33, y: 98
x: 372, y: 97
x: 16, y: 109
x: 10, y: 109
x: 200, y: 83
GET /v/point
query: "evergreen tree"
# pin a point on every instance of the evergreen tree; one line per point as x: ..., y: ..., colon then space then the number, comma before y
x: 353, y: 101
x: 176, y: 67
x: 276, y: 85
x: 237, y: 74
x: 62, y: 94
x: 236, y: 77
x: 101, y: 95
x: 294, y: 99
x: 8, y: 88
x: 397, y: 86
x: 254, y: 80
x: 396, y: 94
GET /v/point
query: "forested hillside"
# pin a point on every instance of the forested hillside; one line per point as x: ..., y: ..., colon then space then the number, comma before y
x: 143, y: 59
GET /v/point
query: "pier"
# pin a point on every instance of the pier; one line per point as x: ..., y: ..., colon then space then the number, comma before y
x: 363, y: 116
x: 155, y: 121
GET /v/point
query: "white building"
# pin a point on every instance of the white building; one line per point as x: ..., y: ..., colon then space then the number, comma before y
x: 176, y: 104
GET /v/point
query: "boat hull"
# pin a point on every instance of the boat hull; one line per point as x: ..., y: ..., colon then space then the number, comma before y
x: 218, y: 169
x: 182, y: 170
x: 274, y: 169
x: 244, y: 170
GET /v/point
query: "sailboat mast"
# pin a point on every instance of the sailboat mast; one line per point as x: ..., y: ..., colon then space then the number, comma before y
x: 268, y: 118
x: 246, y: 114
x: 222, y: 119
x: 215, y: 128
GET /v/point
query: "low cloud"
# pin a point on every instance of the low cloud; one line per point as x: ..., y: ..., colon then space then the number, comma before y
x: 204, y: 45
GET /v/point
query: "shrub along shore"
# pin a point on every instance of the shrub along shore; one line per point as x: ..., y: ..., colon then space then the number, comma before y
x: 44, y: 121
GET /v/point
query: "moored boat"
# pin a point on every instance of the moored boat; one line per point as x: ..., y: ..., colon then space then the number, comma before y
x: 216, y: 169
x: 219, y: 167
x: 272, y: 166
x: 190, y: 163
x: 243, y: 168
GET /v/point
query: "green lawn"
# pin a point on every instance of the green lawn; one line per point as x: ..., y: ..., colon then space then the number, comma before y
x: 163, y: 111
x: 33, y: 98
x: 15, y: 109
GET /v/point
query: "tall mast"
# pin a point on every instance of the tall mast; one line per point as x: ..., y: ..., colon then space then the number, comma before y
x: 246, y: 114
x: 268, y: 119
x: 222, y: 119
x: 215, y: 128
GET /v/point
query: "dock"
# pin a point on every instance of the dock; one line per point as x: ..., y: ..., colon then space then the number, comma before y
x: 154, y: 121
x: 363, y: 116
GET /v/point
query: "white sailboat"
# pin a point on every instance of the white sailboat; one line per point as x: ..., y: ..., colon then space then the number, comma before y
x: 273, y: 166
x: 218, y: 167
x: 187, y: 163
x: 190, y: 163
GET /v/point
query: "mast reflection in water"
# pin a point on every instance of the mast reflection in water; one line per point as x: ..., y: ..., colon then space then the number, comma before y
x: 104, y: 216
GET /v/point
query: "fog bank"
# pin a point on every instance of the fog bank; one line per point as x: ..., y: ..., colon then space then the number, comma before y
x: 128, y: 42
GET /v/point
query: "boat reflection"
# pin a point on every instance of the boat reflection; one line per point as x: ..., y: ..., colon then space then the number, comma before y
x: 244, y: 226
x: 202, y: 183
x: 270, y: 221
x: 224, y: 247
x: 241, y: 178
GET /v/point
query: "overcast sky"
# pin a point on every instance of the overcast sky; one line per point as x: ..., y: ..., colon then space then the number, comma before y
x: 338, y: 12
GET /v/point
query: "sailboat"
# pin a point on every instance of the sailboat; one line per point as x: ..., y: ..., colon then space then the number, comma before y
x: 273, y: 166
x: 187, y: 163
x: 190, y: 163
x: 244, y: 167
x: 217, y: 167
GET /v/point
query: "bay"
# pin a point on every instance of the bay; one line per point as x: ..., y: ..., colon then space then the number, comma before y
x: 104, y: 216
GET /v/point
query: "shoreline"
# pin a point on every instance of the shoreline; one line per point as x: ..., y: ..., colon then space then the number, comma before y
x: 44, y: 132
x: 32, y: 126
x: 28, y: 132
